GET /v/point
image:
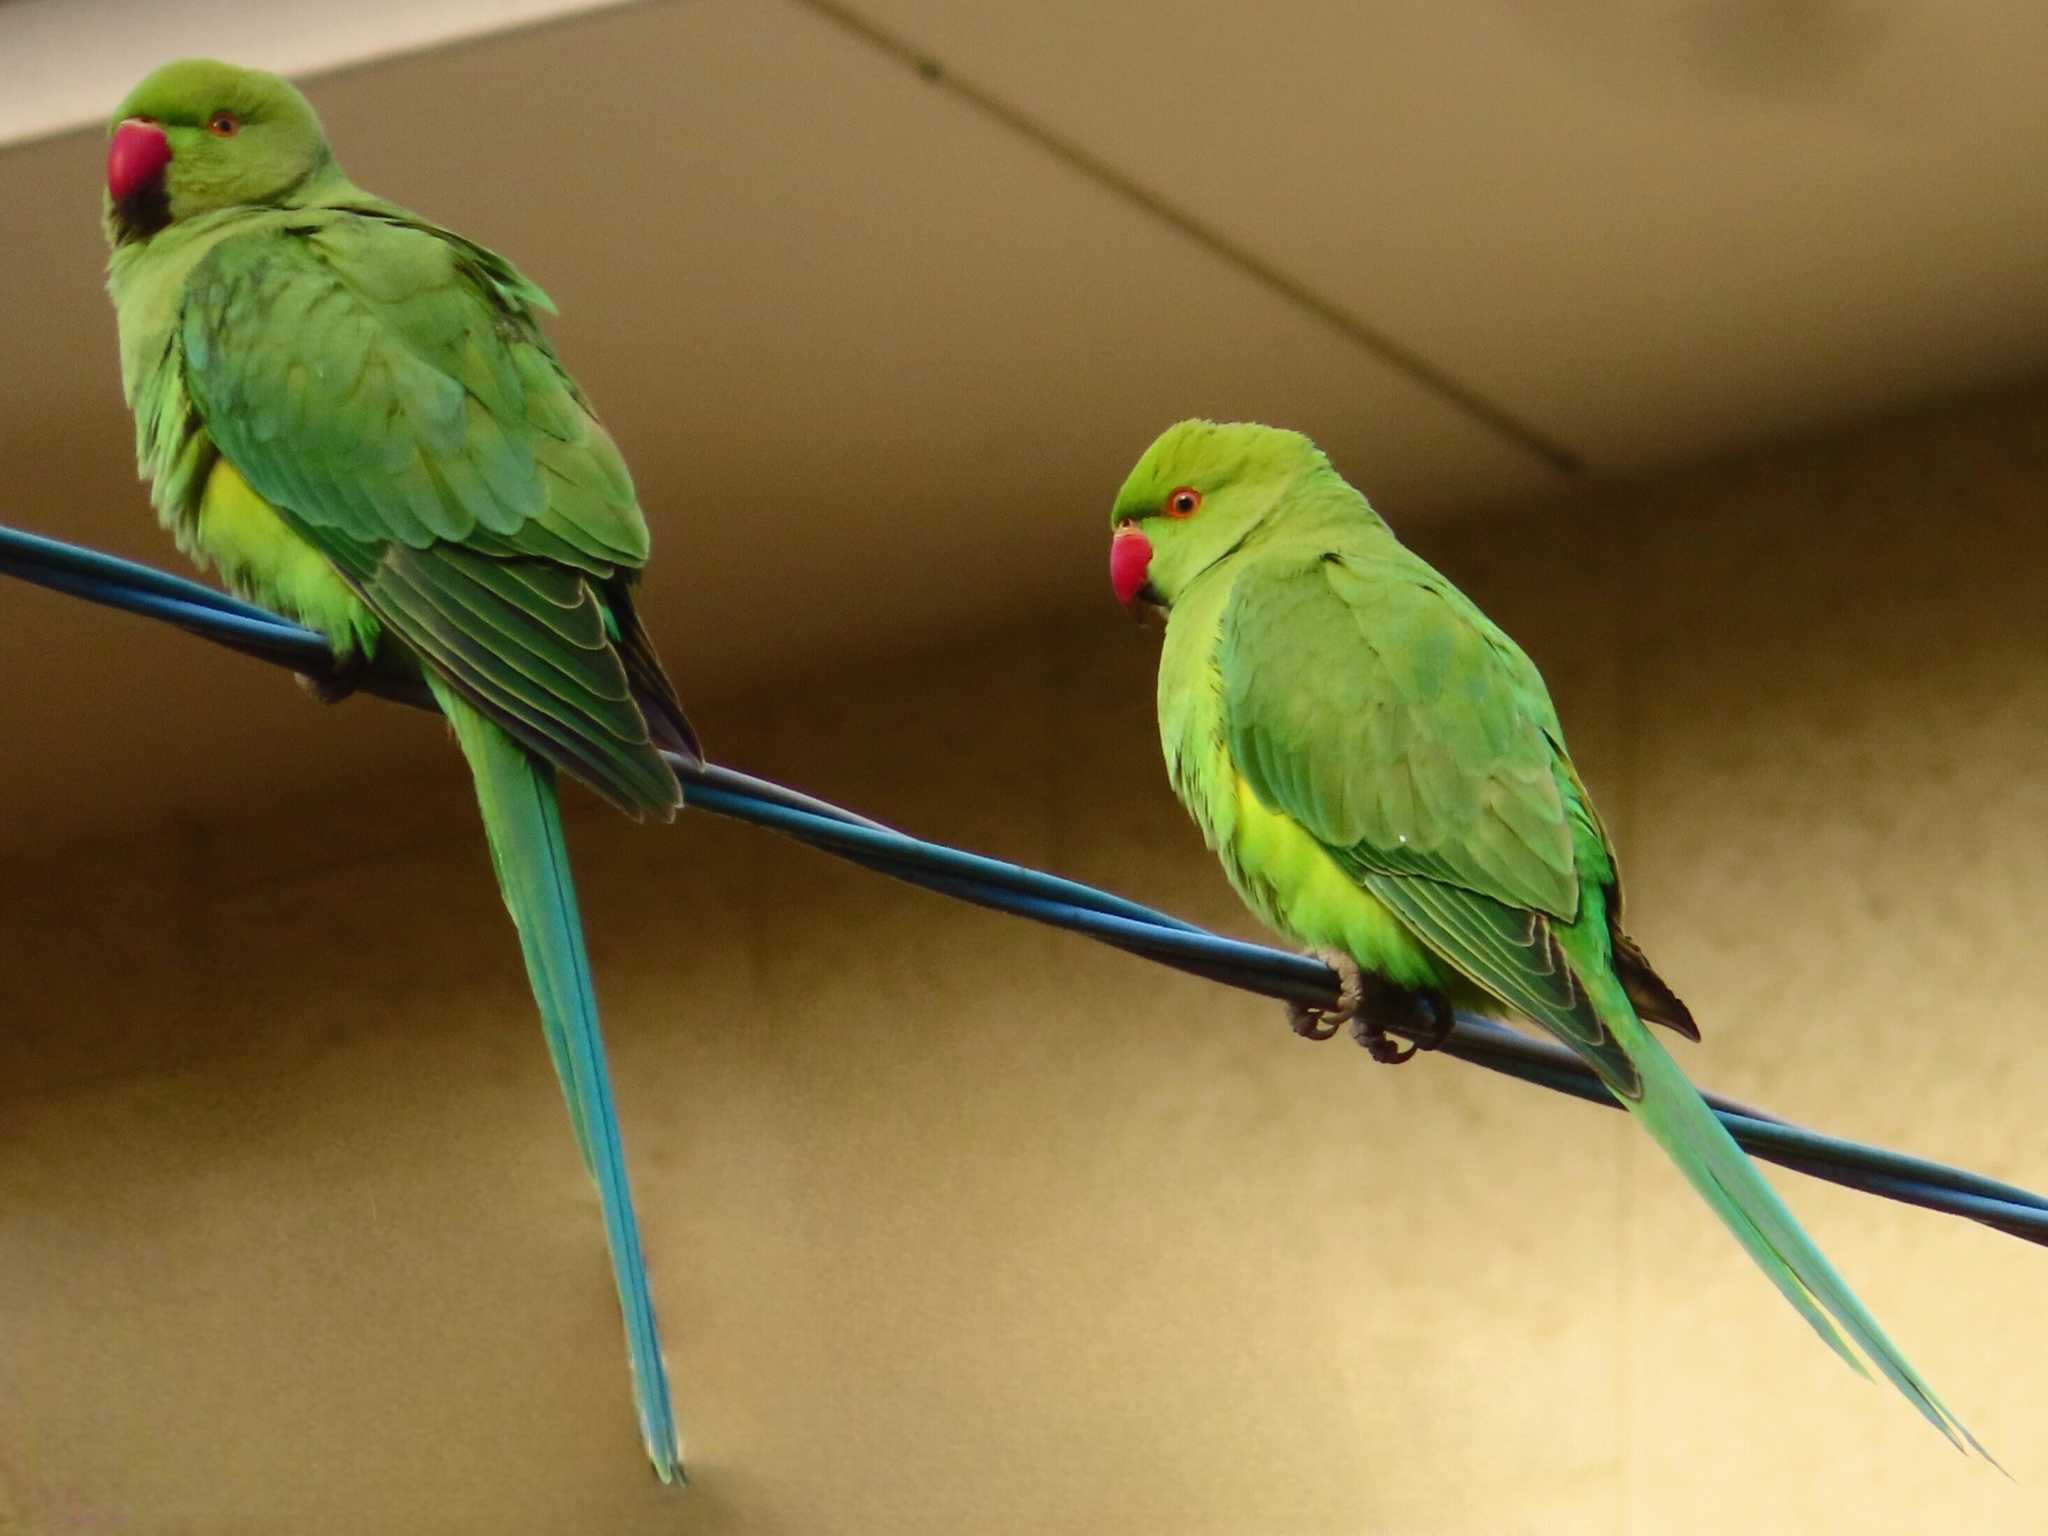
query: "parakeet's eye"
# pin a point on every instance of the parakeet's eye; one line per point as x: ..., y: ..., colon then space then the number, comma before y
x: 1182, y: 502
x: 224, y: 125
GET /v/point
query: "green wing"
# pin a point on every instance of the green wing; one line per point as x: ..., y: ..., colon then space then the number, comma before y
x: 385, y: 387
x: 1369, y: 701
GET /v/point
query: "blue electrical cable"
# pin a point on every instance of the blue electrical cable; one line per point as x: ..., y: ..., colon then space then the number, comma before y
x: 1045, y: 898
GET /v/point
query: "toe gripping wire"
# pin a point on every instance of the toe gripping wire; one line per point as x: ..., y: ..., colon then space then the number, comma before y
x: 1043, y: 898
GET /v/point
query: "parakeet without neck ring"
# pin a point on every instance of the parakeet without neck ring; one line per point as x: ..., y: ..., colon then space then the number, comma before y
x: 1380, y: 770
x: 353, y: 415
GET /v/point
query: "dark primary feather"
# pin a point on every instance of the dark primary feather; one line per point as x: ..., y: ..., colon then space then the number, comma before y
x: 1653, y: 1000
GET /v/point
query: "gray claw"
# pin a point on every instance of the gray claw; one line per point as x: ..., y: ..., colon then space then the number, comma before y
x: 1313, y: 1023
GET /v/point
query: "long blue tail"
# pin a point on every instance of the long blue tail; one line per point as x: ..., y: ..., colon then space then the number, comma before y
x: 516, y: 793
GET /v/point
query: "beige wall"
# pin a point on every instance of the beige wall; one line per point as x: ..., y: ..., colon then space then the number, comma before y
x: 963, y: 1226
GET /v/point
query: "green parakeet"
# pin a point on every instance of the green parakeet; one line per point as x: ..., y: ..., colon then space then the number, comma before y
x: 1383, y: 777
x: 352, y: 414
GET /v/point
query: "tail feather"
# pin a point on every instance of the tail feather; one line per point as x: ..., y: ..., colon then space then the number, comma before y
x: 516, y: 793
x: 1672, y: 1111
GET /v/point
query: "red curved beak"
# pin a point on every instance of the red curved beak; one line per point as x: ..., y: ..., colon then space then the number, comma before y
x: 136, y: 156
x: 1130, y: 557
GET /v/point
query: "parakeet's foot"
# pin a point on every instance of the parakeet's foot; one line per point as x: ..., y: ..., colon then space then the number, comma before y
x: 338, y: 682
x: 1443, y: 1019
x: 1321, y: 1023
x: 1422, y: 1014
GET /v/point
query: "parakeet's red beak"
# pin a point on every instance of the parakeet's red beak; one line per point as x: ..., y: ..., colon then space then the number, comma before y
x: 1130, y: 556
x: 136, y: 157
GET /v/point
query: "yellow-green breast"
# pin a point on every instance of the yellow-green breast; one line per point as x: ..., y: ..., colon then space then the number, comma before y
x: 1283, y: 873
x: 261, y: 558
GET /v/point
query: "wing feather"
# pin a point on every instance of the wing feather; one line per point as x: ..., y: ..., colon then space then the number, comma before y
x: 1380, y: 710
x: 1372, y: 704
x: 384, y: 386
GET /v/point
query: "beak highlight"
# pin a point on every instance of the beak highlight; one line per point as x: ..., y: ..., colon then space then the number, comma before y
x: 1130, y: 557
x: 136, y: 157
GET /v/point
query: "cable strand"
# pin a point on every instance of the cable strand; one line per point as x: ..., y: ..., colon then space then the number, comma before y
x: 1041, y: 897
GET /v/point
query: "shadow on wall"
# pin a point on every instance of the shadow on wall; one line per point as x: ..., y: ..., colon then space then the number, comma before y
x: 1791, y: 51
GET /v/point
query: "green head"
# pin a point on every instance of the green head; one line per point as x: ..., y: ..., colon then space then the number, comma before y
x: 1196, y: 495
x: 198, y: 136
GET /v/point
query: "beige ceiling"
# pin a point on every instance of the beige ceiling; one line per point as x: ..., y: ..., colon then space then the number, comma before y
x: 63, y: 63
x: 1654, y: 229
x: 880, y: 342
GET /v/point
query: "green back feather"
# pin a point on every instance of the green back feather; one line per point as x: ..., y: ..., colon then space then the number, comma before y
x: 387, y: 391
